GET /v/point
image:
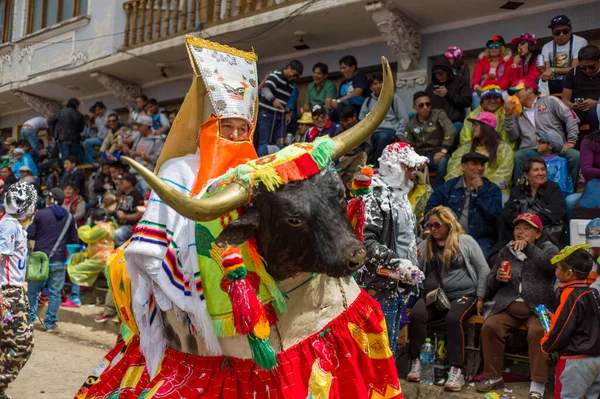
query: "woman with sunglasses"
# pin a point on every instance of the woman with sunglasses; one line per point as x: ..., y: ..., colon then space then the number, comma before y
x: 453, y: 262
x: 494, y: 63
x: 528, y: 63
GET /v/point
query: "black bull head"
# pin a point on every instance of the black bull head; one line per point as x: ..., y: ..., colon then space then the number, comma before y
x: 301, y: 226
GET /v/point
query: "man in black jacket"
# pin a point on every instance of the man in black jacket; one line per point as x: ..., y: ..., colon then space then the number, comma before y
x: 66, y: 126
x: 448, y: 91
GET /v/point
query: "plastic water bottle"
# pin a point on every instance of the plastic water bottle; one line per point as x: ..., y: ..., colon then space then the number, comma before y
x: 427, y: 359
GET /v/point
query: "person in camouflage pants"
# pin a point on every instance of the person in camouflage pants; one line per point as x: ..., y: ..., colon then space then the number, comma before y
x: 16, y: 337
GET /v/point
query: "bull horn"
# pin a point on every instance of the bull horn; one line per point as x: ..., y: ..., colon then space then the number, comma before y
x: 201, y: 210
x: 351, y: 138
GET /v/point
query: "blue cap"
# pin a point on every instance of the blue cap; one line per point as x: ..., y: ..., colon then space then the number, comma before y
x: 559, y: 20
x: 592, y: 233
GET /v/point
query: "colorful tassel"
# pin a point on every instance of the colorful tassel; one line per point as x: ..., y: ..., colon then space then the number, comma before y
x: 262, y: 352
x: 306, y: 165
x: 356, y: 215
x: 322, y: 152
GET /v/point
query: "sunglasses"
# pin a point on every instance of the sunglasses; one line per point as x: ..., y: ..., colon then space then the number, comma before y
x: 564, y: 31
x: 434, y: 225
x: 494, y: 45
x: 317, y: 117
x: 424, y: 105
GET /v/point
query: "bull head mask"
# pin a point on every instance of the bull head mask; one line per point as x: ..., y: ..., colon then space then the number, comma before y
x: 237, y: 194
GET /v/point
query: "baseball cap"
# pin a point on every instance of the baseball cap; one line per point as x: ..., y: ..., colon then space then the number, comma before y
x: 496, y: 39
x: 530, y: 37
x: 486, y: 118
x: 318, y: 110
x: 143, y: 120
x: 58, y: 195
x: 19, y: 151
x: 454, y: 52
x: 474, y: 156
x: 524, y: 84
x: 592, y: 233
x: 129, y: 177
x: 559, y: 20
x: 24, y: 168
x: 532, y: 219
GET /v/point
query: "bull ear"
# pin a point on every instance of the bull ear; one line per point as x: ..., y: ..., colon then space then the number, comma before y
x: 240, y: 230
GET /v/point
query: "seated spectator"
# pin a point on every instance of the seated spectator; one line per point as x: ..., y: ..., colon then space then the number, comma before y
x: 556, y: 167
x: 102, y: 183
x: 8, y: 159
x: 96, y: 140
x: 486, y: 141
x: 30, y: 129
x: 525, y: 63
x: 561, y: 53
x: 128, y: 201
x: 419, y: 194
x: 9, y: 176
x: 323, y: 126
x: 494, y: 64
x: 590, y: 166
x: 160, y: 123
x: 535, y: 194
x: 74, y: 203
x: 56, y: 175
x: 349, y: 118
x: 23, y: 159
x: 321, y: 90
x: 455, y: 57
x: 113, y: 142
x: 394, y: 123
x: 541, y: 114
x: 431, y: 133
x: 141, y: 102
x: 475, y: 200
x: 491, y: 101
x: 581, y: 87
x: 27, y: 177
x: 448, y: 92
x: 172, y: 116
x: 73, y: 175
x: 354, y: 89
x: 452, y: 261
x: 147, y: 146
x: 529, y: 283
x: 305, y: 123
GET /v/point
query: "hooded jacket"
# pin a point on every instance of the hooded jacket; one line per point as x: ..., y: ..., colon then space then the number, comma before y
x: 66, y: 125
x: 45, y: 228
x: 459, y: 93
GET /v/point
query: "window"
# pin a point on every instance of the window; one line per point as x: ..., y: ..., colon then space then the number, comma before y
x: 5, y: 20
x: 44, y: 13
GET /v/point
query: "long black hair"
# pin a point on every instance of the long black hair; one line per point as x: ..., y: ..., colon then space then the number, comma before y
x: 488, y: 138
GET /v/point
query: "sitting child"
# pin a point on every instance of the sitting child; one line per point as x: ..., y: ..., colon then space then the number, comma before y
x: 556, y: 167
x: 575, y: 327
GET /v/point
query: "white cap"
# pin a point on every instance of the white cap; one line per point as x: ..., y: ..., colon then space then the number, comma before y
x: 144, y: 120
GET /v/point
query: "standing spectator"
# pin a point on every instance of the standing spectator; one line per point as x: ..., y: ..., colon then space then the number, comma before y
x: 147, y: 146
x: 160, y: 122
x: 454, y: 263
x: 455, y: 57
x: 17, y: 334
x: 117, y: 133
x: 323, y: 126
x: 545, y: 114
x: 486, y: 141
x: 394, y: 123
x: 23, y: 159
x: 45, y: 230
x: 101, y: 122
x: 581, y: 87
x: 513, y: 300
x: 448, y: 92
x: 273, y: 111
x: 494, y: 64
x: 30, y: 131
x: 354, y: 89
x: 56, y: 175
x: 524, y: 65
x: 431, y: 134
x: 561, y: 53
x: 66, y: 126
x: 172, y: 116
x: 73, y: 175
x: 321, y: 90
x: 475, y: 200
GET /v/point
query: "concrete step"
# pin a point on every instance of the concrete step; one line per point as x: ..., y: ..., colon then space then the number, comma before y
x: 413, y: 390
x: 83, y: 316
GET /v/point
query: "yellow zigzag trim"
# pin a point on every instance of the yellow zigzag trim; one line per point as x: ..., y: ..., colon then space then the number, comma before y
x: 207, y: 44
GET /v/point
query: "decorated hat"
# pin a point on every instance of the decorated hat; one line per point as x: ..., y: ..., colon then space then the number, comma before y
x: 592, y: 233
x: 524, y: 84
x: 530, y: 37
x: 487, y: 118
x: 20, y: 200
x: 229, y: 76
x: 402, y: 153
x: 532, y: 219
x: 454, y: 52
x: 566, y: 252
x: 491, y: 88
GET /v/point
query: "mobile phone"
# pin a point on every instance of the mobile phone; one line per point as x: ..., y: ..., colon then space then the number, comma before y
x: 435, y: 87
x: 578, y: 100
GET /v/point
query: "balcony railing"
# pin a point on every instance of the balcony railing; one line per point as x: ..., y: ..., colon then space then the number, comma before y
x: 149, y: 21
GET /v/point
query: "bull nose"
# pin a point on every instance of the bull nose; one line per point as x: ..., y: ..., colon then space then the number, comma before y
x: 357, y: 260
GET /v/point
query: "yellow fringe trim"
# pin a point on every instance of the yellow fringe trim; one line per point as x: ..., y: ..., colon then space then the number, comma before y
x: 207, y: 44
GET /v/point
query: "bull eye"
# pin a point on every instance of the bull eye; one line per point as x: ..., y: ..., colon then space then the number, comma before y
x: 295, y: 222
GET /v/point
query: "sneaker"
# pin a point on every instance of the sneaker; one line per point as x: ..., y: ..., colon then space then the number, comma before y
x: 456, y: 380
x: 487, y: 385
x: 70, y: 304
x: 415, y: 371
x: 51, y: 328
x: 101, y: 318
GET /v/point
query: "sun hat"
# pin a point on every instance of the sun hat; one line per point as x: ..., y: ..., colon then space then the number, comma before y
x: 530, y: 37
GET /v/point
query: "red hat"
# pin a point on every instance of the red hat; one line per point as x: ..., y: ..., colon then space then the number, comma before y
x: 530, y: 37
x: 532, y: 219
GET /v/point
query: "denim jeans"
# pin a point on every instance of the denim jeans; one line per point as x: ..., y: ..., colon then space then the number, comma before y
x: 391, y: 311
x: 56, y: 282
x: 571, y: 155
x: 31, y: 136
x: 476, y: 100
x: 440, y: 167
x: 570, y: 201
x: 75, y: 291
x: 88, y: 146
x: 67, y: 149
x: 271, y: 127
x: 382, y: 138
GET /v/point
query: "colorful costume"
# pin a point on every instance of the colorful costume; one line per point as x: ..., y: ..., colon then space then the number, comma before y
x: 85, y: 267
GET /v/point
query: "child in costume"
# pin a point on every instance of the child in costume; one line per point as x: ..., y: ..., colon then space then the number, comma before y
x: 575, y: 327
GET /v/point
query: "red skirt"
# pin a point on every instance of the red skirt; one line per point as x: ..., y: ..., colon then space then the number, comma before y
x: 349, y: 358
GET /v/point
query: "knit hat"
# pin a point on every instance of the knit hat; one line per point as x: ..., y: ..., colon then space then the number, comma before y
x: 20, y: 200
x: 592, y: 233
x: 491, y: 88
x: 486, y: 118
x: 530, y: 37
x: 532, y: 219
x: 402, y: 153
x: 454, y: 52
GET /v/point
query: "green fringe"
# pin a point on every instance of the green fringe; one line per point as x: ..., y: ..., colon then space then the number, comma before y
x: 224, y: 327
x: 262, y: 352
x: 361, y: 192
x: 322, y: 152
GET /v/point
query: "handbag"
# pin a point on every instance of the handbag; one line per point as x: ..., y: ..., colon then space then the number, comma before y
x: 38, y: 267
x: 437, y: 299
